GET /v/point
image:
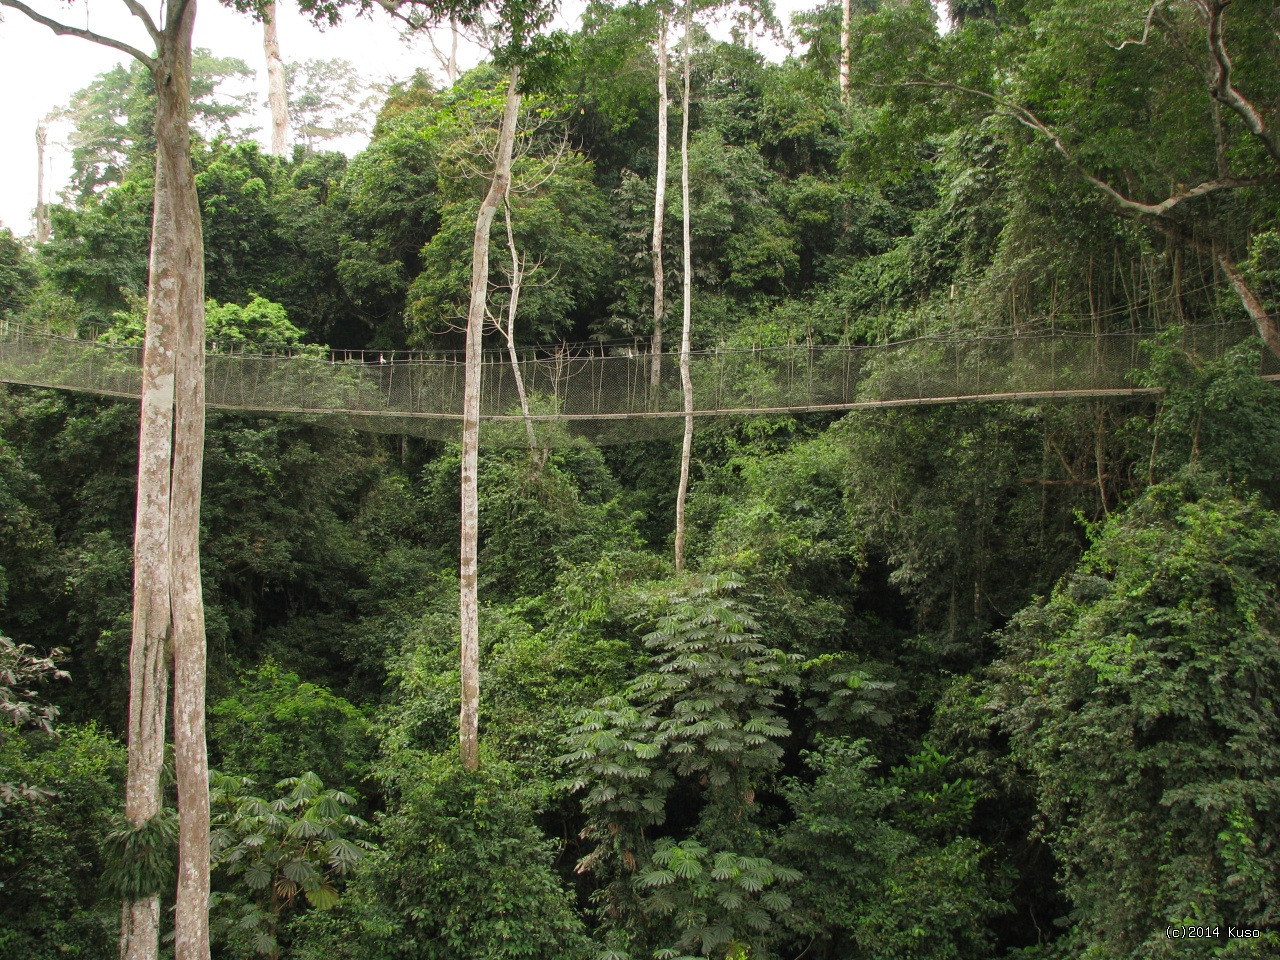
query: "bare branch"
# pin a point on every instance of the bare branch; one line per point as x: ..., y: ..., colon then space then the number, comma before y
x: 1146, y: 30
x: 449, y: 64
x: 546, y: 169
x: 62, y: 30
x: 393, y: 8
x: 139, y: 11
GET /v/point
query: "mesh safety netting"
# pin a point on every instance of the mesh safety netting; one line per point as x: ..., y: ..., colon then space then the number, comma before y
x: 609, y: 395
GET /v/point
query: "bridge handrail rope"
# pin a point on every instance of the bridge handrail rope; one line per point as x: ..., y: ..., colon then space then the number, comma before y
x: 595, y: 392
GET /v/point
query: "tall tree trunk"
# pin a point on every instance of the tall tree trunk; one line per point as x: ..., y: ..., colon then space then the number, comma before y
x: 276, y: 95
x: 167, y: 611
x: 175, y: 177
x: 447, y: 63
x: 42, y: 212
x: 659, y: 212
x: 686, y: 382
x: 1266, y: 323
x: 451, y: 69
x: 509, y: 334
x: 846, y: 49
x: 469, y: 607
x: 150, y: 649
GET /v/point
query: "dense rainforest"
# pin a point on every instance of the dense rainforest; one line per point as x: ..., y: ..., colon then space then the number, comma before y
x: 984, y: 680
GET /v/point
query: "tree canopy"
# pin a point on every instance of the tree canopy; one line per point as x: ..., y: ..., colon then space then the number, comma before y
x: 985, y: 680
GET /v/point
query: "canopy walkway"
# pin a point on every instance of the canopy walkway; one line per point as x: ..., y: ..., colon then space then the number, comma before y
x: 608, y: 395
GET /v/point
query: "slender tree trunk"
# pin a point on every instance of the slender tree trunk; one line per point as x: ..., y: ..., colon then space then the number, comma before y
x: 659, y: 213
x: 447, y: 63
x: 513, y: 305
x: 846, y: 49
x: 276, y: 95
x: 469, y: 607
x: 686, y: 383
x: 42, y: 212
x: 1266, y: 323
x: 452, y: 68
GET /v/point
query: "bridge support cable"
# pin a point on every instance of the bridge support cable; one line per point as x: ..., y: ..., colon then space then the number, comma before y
x: 607, y: 396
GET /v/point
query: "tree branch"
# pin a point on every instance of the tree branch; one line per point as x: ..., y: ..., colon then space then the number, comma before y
x: 1127, y: 204
x: 1268, y: 329
x: 61, y: 29
x: 1146, y: 30
x: 393, y: 8
x: 139, y: 11
x: 1220, y: 87
x: 447, y: 64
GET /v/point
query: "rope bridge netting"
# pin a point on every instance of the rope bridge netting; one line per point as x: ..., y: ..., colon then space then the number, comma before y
x: 609, y: 396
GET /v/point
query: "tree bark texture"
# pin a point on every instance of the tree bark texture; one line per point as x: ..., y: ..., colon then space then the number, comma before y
x: 150, y: 647
x: 42, y: 212
x: 1266, y: 323
x: 686, y: 383
x: 191, y: 763
x: 177, y: 286
x: 276, y: 95
x: 452, y: 68
x: 846, y: 49
x: 469, y: 607
x: 509, y: 334
x: 168, y: 613
x: 659, y: 212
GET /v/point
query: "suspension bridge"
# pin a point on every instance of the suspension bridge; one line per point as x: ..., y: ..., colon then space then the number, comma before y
x: 610, y: 394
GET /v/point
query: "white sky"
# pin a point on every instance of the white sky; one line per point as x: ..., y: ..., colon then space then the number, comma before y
x: 40, y: 71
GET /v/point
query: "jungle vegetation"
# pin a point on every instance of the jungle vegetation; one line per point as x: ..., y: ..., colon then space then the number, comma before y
x: 952, y: 683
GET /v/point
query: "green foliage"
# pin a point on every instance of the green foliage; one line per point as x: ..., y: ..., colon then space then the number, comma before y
x: 113, y: 117
x: 707, y: 711
x: 328, y: 100
x: 98, y: 254
x: 273, y: 721
x: 17, y: 274
x: 260, y: 324
x: 938, y: 495
x: 558, y: 222
x: 1263, y: 268
x: 1216, y: 415
x: 25, y: 538
x: 1142, y: 696
x: 20, y: 706
x: 235, y: 183
x: 1126, y: 732
x: 714, y: 898
x: 565, y: 511
x: 888, y: 871
x: 391, y: 203
x: 52, y: 899
x: 701, y: 730
x: 463, y: 871
x: 277, y: 853
x: 142, y: 859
